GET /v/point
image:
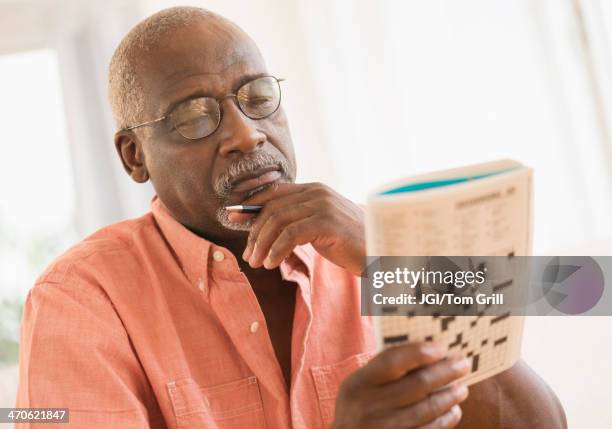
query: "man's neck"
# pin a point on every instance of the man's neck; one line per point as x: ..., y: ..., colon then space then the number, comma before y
x: 265, y: 283
x: 234, y: 241
x: 234, y: 245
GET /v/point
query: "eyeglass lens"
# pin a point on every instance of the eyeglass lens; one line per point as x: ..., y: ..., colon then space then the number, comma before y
x: 200, y: 117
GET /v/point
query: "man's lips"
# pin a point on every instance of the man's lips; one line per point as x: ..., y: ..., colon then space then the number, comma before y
x: 247, y: 184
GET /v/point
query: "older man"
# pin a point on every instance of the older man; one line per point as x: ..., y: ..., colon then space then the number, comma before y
x: 191, y: 316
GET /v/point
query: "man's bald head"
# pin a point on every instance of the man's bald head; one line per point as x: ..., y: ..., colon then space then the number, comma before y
x: 126, y: 86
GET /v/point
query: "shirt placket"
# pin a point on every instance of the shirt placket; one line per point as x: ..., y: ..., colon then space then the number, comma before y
x: 237, y: 309
x: 302, y: 322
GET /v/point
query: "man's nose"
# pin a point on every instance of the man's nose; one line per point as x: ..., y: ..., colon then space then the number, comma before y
x: 237, y: 132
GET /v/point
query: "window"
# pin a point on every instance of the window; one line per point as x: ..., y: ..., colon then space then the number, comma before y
x: 37, y: 200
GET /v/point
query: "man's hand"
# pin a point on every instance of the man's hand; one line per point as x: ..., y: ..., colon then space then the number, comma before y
x: 296, y: 214
x: 403, y: 387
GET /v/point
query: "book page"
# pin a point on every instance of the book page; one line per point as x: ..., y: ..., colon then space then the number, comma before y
x: 484, y: 217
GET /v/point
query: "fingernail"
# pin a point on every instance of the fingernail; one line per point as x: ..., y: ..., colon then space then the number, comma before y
x: 460, y: 365
x: 267, y: 262
x: 460, y: 391
x: 247, y: 253
x: 456, y: 410
x: 451, y: 416
x: 434, y: 349
x: 252, y: 255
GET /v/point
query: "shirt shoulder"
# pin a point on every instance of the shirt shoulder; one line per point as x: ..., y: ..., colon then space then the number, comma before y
x: 322, y: 270
x: 309, y: 255
x: 83, y: 257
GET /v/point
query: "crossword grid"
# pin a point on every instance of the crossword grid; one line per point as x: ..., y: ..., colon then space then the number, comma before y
x: 486, y: 340
x: 491, y: 342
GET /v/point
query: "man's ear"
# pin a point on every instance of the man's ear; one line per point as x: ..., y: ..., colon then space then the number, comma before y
x: 129, y: 148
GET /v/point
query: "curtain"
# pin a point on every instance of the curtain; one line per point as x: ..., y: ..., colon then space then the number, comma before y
x: 414, y: 86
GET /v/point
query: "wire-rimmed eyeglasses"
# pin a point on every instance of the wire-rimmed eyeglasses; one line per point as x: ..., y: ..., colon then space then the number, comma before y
x: 199, y: 117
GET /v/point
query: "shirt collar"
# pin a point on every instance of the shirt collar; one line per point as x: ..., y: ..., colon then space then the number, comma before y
x: 192, y: 251
x: 196, y: 254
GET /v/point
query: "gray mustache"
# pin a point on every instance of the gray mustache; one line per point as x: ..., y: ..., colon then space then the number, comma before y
x: 223, y: 185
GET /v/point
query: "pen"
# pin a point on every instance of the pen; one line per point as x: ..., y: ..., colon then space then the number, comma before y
x: 243, y: 209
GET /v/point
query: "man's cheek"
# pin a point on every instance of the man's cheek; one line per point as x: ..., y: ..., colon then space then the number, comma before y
x: 193, y: 191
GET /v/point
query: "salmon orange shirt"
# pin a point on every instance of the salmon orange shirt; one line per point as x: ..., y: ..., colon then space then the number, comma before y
x: 145, y: 324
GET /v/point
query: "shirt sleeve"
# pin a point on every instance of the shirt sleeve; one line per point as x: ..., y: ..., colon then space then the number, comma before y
x: 75, y: 353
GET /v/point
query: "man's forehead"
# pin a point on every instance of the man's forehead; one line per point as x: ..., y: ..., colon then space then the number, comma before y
x: 219, y: 52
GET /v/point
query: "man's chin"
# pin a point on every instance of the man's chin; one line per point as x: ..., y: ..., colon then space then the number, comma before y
x: 239, y: 198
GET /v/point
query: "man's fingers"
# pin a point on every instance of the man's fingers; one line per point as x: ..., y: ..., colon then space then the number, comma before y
x: 448, y: 420
x: 393, y: 364
x: 272, y: 199
x: 269, y: 225
x: 283, y: 204
x: 240, y: 217
x: 434, y: 406
x: 418, y: 384
x: 275, y: 191
x: 404, y: 387
x: 297, y: 233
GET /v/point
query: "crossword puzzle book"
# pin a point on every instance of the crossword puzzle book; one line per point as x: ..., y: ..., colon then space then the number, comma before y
x: 479, y: 210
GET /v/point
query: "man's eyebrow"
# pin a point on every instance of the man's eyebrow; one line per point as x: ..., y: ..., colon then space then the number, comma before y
x: 200, y: 92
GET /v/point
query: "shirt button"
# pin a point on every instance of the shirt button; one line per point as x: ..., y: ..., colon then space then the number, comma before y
x: 218, y: 256
x: 254, y: 327
x: 200, y: 284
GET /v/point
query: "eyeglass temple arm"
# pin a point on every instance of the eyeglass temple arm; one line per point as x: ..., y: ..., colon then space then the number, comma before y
x: 146, y: 123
